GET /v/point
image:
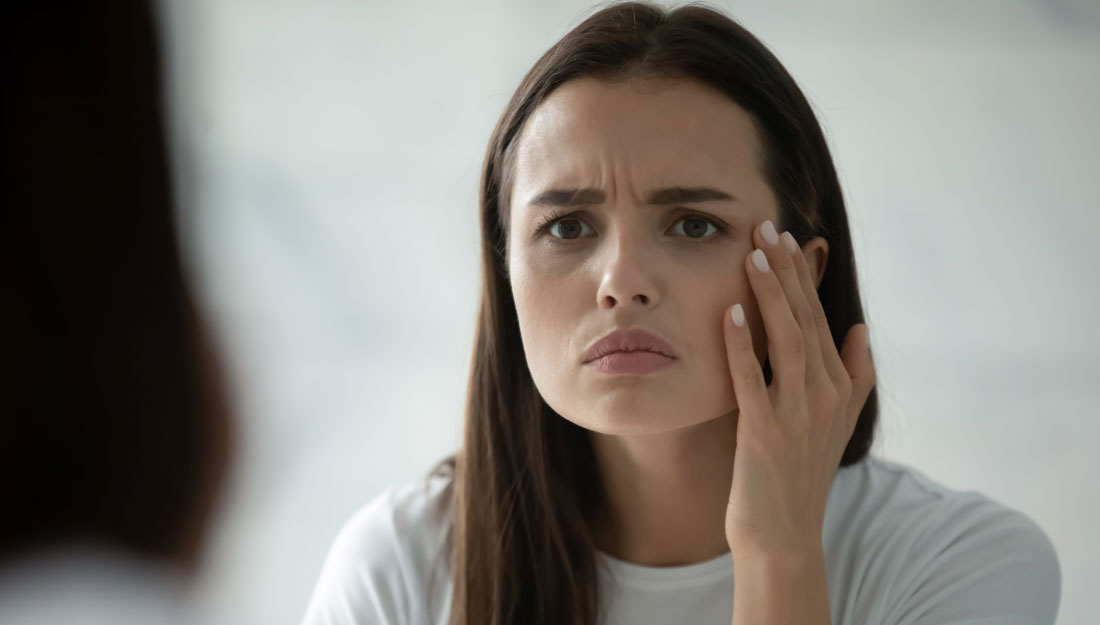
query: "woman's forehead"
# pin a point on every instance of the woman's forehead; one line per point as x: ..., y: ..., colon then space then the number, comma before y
x: 589, y: 131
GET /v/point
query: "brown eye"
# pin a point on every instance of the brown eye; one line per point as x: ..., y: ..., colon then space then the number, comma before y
x: 561, y: 227
x: 567, y: 228
x: 696, y: 226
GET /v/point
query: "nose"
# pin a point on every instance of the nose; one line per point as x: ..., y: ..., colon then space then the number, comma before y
x: 627, y: 277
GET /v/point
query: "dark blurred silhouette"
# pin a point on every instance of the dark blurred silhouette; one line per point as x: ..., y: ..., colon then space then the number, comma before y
x: 113, y: 416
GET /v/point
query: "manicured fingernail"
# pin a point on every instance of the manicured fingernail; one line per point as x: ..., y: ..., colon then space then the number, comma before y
x: 789, y: 241
x: 768, y: 232
x: 760, y: 260
x: 737, y: 314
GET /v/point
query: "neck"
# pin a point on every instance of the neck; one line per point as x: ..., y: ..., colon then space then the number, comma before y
x: 666, y: 494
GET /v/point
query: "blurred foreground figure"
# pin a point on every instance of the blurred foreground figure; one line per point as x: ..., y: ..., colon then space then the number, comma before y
x: 113, y: 430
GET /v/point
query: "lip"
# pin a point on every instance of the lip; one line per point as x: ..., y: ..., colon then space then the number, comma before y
x: 629, y: 350
x: 630, y: 363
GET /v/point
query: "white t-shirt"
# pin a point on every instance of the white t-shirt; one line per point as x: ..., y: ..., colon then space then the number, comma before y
x: 900, y: 549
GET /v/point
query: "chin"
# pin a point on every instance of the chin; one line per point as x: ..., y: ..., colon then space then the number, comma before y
x: 634, y: 422
x: 638, y: 406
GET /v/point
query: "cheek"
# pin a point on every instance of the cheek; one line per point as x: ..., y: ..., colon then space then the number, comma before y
x: 552, y: 304
x: 548, y: 314
x: 537, y: 290
x: 738, y: 290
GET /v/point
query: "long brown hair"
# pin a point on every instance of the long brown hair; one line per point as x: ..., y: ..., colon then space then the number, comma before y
x: 525, y: 483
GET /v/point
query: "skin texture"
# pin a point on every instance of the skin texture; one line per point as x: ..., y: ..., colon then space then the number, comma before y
x: 665, y: 442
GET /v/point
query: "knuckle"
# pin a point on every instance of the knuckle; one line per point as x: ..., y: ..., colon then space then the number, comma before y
x: 795, y: 344
x: 828, y: 397
x: 819, y: 312
x: 844, y: 391
x: 805, y: 316
x: 750, y: 377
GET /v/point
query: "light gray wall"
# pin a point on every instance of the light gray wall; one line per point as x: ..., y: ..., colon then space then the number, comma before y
x: 328, y: 156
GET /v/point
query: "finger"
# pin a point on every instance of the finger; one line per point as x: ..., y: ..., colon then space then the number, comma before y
x: 824, y: 337
x: 786, y: 345
x: 748, y: 380
x: 781, y: 259
x: 856, y: 357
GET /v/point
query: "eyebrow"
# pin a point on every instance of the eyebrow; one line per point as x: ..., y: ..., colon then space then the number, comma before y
x: 668, y: 195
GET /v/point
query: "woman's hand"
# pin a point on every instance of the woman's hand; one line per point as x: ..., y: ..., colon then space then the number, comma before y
x: 790, y: 435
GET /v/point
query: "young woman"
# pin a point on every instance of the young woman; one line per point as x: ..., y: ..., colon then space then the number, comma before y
x: 672, y: 402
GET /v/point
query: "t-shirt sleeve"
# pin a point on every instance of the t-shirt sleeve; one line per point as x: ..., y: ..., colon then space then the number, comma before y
x: 362, y: 579
x: 985, y: 565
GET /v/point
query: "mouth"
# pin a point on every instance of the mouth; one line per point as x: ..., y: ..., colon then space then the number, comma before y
x: 623, y: 340
x: 639, y: 362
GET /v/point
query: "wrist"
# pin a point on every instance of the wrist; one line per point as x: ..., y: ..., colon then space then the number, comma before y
x: 777, y: 556
x: 766, y: 579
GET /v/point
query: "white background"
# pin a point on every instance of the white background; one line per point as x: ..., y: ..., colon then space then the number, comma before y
x: 327, y: 155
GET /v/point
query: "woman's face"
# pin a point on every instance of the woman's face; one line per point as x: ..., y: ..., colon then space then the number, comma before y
x: 621, y: 261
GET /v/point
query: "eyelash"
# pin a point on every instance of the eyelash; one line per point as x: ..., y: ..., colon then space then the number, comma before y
x: 557, y: 215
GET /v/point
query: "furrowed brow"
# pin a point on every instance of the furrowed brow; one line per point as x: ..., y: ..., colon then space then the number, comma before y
x: 688, y: 195
x: 669, y: 195
x: 568, y: 197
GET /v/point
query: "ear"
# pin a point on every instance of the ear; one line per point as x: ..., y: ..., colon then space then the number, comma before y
x: 816, y: 252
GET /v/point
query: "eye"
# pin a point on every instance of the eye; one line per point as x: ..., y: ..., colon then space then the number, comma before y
x: 567, y: 226
x: 699, y: 226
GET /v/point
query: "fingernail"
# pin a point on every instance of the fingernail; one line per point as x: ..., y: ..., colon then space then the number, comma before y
x: 789, y: 241
x: 760, y: 260
x: 768, y: 232
x: 737, y: 314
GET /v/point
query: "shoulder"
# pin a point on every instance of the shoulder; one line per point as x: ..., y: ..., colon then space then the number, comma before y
x: 399, y: 517
x: 380, y: 566
x: 923, y: 548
